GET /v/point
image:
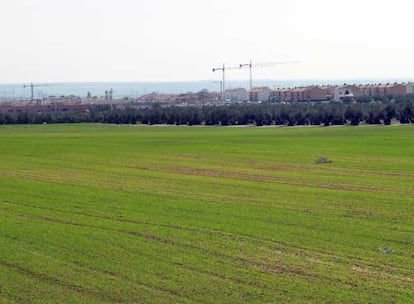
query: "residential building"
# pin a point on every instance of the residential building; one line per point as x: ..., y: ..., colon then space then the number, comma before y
x: 300, y: 94
x: 154, y: 97
x: 410, y: 88
x: 395, y: 89
x: 345, y: 91
x: 237, y: 95
x: 260, y: 94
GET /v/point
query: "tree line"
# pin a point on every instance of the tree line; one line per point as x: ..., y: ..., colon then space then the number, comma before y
x: 333, y: 113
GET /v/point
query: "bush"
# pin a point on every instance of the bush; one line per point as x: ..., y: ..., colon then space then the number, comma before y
x: 386, y: 250
x: 322, y: 160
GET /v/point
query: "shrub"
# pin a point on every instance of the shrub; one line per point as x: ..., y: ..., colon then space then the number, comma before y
x: 322, y: 160
x: 386, y: 250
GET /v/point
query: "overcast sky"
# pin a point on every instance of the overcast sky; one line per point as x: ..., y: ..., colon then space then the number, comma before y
x: 173, y: 40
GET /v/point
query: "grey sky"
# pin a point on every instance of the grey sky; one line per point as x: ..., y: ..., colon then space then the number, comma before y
x: 160, y: 40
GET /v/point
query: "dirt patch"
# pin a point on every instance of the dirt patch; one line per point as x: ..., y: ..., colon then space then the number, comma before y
x: 267, y: 178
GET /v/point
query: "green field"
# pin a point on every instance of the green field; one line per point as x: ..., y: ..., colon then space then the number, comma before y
x: 107, y: 213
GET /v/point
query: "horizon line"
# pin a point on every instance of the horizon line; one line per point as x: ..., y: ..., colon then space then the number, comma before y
x: 213, y: 80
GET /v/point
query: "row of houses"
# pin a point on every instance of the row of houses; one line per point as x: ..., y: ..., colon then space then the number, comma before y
x: 319, y: 93
x: 352, y: 91
x: 203, y: 97
x: 312, y: 93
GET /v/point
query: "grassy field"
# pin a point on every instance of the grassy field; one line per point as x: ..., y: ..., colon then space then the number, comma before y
x: 105, y: 213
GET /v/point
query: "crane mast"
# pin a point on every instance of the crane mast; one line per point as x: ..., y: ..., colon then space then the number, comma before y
x: 223, y: 70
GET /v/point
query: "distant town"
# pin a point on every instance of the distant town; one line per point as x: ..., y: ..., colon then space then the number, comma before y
x: 346, y: 93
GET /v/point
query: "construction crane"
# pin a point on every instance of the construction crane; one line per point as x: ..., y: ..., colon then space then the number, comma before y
x: 223, y: 86
x: 32, y: 86
x: 251, y: 66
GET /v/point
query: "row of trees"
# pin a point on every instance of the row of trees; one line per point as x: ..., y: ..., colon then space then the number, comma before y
x: 238, y: 114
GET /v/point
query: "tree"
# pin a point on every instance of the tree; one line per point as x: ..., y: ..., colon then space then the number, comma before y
x: 354, y: 115
x: 389, y: 113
